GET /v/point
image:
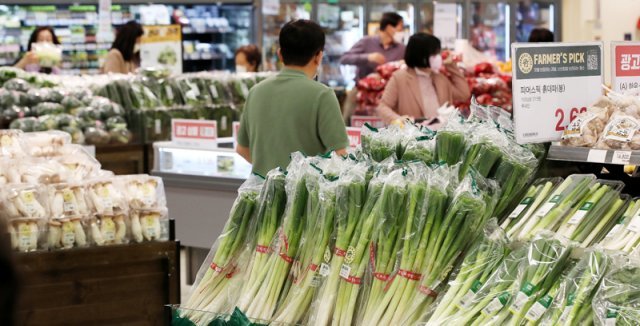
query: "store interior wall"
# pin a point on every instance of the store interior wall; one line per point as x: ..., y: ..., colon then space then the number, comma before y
x: 600, y: 20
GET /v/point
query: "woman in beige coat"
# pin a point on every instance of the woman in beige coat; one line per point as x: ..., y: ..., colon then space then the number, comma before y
x: 418, y: 90
x: 124, y: 56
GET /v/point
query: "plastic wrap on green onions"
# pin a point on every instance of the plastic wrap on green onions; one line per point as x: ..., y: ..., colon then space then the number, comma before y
x: 482, y: 259
x: 573, y: 307
x: 421, y: 148
x: 387, y: 208
x: 451, y: 140
x: 594, y: 214
x: 461, y: 222
x: 617, y: 301
x: 260, y: 300
x: 485, y: 149
x: 379, y: 144
x: 573, y: 189
x: 513, y: 173
x: 625, y: 235
x: 354, y: 204
x: 537, y: 193
x: 221, y: 259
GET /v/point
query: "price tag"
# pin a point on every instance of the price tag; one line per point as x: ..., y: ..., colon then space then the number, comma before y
x: 28, y: 199
x: 108, y: 229
x: 194, y: 133
x: 358, y: 121
x: 597, y: 156
x: 354, y: 136
x: 495, y: 305
x: 621, y: 157
x: 625, y: 66
x: 535, y: 312
x: 548, y: 206
x: 521, y: 207
x: 579, y: 215
x: 345, y: 271
x: 324, y: 270
x: 68, y: 234
x: 552, y: 84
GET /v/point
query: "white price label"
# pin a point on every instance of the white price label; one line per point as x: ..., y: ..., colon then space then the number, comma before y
x: 578, y: 217
x: 69, y: 207
x: 621, y: 157
x: 634, y: 225
x: 610, y: 322
x: 466, y: 300
x: 492, y: 307
x: 325, y: 269
x: 535, y: 313
x: 545, y: 209
x: 519, y: 303
x: 68, y: 239
x: 565, y: 314
x: 345, y: 271
x: 517, y: 211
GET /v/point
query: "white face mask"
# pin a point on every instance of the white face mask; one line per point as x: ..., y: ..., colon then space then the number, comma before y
x: 398, y: 37
x: 136, y: 48
x: 241, y: 69
x: 435, y: 62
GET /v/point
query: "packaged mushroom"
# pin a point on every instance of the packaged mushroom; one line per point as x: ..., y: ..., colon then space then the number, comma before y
x: 620, y: 132
x: 586, y: 128
x: 109, y: 222
x: 40, y: 171
x: 78, y: 163
x: 24, y: 206
x: 46, y: 143
x: 69, y: 210
x: 149, y: 225
x: 147, y: 202
x: 108, y: 229
x: 11, y: 144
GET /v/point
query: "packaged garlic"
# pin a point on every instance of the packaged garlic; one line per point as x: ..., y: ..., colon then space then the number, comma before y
x: 11, y: 144
x: 149, y: 225
x: 25, y: 207
x: 46, y: 143
x: 619, y: 132
x: 108, y: 229
x: 143, y: 191
x: 586, y: 128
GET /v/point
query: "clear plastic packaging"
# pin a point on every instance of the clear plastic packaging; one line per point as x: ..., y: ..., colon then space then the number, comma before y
x: 379, y: 144
x: 46, y: 143
x: 143, y: 191
x: 25, y: 208
x: 485, y: 148
x: 67, y: 225
x: 39, y: 171
x: 11, y: 144
x: 619, y: 132
x: 451, y: 140
x: 625, y: 234
x: 108, y: 229
x: 104, y: 197
x: 586, y: 128
x: 617, y: 301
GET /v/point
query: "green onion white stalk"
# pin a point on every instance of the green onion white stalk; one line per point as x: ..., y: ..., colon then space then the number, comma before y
x: 625, y: 235
x: 537, y: 194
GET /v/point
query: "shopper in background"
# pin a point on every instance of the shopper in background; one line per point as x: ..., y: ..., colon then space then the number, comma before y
x: 372, y: 51
x: 248, y: 58
x: 291, y: 112
x: 541, y: 35
x: 29, y: 61
x: 420, y: 89
x: 124, y: 56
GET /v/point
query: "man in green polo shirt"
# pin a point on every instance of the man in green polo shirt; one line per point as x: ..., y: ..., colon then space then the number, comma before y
x: 291, y: 112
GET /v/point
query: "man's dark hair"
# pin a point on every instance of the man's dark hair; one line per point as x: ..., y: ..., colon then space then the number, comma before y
x: 390, y: 19
x: 300, y: 41
x: 420, y: 47
x: 126, y: 39
x: 34, y: 36
x: 541, y: 35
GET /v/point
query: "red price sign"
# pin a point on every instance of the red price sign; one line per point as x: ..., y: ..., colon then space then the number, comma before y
x: 354, y: 136
x: 358, y: 121
x: 194, y: 133
x: 563, y: 119
x: 235, y: 126
x: 625, y: 68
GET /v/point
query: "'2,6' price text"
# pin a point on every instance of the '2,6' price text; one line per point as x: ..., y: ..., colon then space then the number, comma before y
x: 560, y: 116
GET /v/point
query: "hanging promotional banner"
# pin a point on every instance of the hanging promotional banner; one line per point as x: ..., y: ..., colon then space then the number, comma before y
x: 552, y: 84
x: 445, y: 24
x: 625, y: 69
x: 162, y: 48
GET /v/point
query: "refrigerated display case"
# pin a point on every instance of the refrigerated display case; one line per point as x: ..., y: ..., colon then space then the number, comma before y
x: 344, y: 26
x: 274, y: 17
x: 489, y: 30
x: 534, y: 14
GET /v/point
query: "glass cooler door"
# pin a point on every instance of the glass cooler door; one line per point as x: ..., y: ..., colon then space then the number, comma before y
x: 344, y: 26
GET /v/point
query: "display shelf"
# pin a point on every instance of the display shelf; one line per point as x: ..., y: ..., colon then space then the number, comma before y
x: 592, y: 155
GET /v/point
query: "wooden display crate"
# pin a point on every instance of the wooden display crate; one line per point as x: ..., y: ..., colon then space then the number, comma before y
x: 113, y: 285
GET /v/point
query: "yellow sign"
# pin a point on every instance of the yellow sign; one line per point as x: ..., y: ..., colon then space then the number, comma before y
x: 161, y: 33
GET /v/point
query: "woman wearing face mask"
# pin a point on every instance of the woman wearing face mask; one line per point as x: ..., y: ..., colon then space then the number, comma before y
x: 418, y: 90
x: 248, y: 58
x: 124, y: 56
x: 30, y: 61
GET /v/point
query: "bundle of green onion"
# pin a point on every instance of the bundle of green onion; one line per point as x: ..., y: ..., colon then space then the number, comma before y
x: 625, y: 235
x: 536, y: 194
x: 421, y: 148
x: 221, y: 261
x: 617, y: 301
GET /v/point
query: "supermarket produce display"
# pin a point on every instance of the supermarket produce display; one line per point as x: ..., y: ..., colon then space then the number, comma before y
x: 119, y: 109
x: 56, y: 196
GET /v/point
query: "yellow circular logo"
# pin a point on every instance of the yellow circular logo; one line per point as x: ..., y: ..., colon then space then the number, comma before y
x: 525, y: 63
